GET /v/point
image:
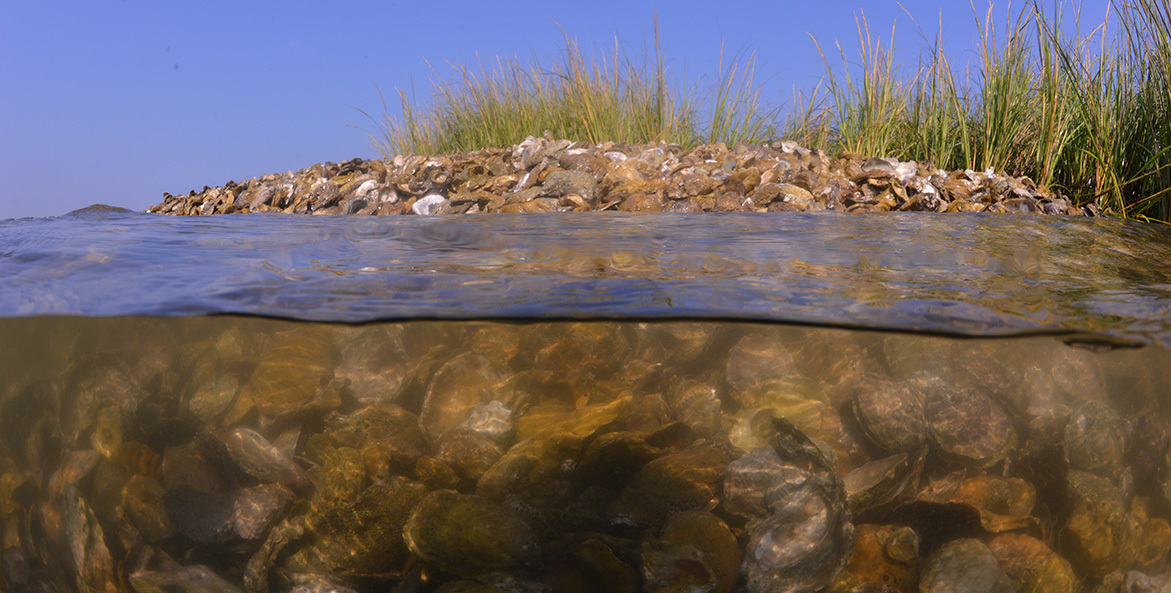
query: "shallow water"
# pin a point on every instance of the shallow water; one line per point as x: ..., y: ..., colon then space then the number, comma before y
x: 230, y: 453
x: 607, y: 402
x: 965, y: 274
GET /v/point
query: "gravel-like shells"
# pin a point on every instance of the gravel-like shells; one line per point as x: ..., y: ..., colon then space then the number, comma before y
x: 542, y: 174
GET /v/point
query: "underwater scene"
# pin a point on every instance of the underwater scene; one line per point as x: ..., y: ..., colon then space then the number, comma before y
x: 227, y: 453
x: 565, y: 404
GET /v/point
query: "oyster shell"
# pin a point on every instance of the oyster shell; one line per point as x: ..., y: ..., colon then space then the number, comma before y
x: 968, y: 424
x: 1032, y: 565
x: 466, y: 535
x: 291, y: 370
x: 804, y: 538
x: 964, y: 565
x: 891, y: 414
x: 1096, y: 439
x: 362, y: 537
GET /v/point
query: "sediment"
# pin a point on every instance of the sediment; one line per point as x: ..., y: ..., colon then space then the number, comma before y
x: 549, y: 175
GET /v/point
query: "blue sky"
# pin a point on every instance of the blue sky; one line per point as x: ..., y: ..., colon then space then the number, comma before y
x: 118, y: 102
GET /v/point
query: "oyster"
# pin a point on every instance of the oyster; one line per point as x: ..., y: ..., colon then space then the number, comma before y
x: 587, y: 562
x: 292, y: 369
x: 92, y: 563
x: 492, y: 420
x: 188, y: 579
x: 883, y: 554
x: 463, y: 384
x: 804, y: 537
x: 681, y: 481
x: 968, y: 424
x: 964, y: 565
x: 695, y: 549
x: 1095, y: 439
x: 374, y: 362
x: 537, y: 472
x: 891, y: 414
x: 755, y: 358
x: 467, y: 452
x: 1004, y: 504
x: 882, y: 480
x: 1032, y: 565
x: 1099, y: 534
x: 257, y: 457
x: 466, y: 535
x: 362, y: 537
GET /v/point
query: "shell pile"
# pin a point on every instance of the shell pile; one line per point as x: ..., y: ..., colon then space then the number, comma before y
x: 548, y: 175
x: 232, y: 454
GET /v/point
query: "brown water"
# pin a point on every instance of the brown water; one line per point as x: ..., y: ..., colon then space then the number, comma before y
x: 233, y: 453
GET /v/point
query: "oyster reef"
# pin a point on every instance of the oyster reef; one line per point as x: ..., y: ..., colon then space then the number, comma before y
x: 549, y: 175
x: 231, y: 453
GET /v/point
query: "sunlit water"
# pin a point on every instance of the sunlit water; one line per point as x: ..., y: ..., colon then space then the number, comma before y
x: 967, y: 274
x: 561, y: 403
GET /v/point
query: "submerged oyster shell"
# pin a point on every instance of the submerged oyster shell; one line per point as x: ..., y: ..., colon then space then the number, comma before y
x: 968, y: 424
x: 804, y: 537
x: 964, y: 565
x: 1032, y: 565
x: 466, y: 535
x: 891, y: 413
x: 362, y: 537
x: 291, y: 371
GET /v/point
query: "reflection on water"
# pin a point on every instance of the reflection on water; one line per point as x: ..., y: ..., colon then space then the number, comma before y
x: 243, y: 454
x: 969, y: 275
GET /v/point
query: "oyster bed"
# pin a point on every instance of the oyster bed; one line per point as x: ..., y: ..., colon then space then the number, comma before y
x: 547, y: 175
x: 241, y: 454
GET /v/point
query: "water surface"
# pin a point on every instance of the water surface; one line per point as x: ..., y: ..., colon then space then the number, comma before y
x: 969, y: 274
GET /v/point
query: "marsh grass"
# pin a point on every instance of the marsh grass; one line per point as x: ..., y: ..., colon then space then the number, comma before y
x: 1089, y: 115
x: 1086, y: 114
x: 579, y: 97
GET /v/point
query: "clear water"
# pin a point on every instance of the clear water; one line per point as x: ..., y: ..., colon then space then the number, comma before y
x: 597, y: 403
x: 965, y: 274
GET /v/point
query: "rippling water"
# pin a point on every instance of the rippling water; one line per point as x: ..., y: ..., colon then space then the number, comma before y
x: 966, y: 274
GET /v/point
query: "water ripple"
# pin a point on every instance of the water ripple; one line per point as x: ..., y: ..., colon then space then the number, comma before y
x: 965, y: 274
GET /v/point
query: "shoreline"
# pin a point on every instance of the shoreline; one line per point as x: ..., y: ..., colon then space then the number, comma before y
x: 548, y: 175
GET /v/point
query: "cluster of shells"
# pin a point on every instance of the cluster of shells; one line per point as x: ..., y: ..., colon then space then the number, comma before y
x: 547, y: 175
x: 232, y: 454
